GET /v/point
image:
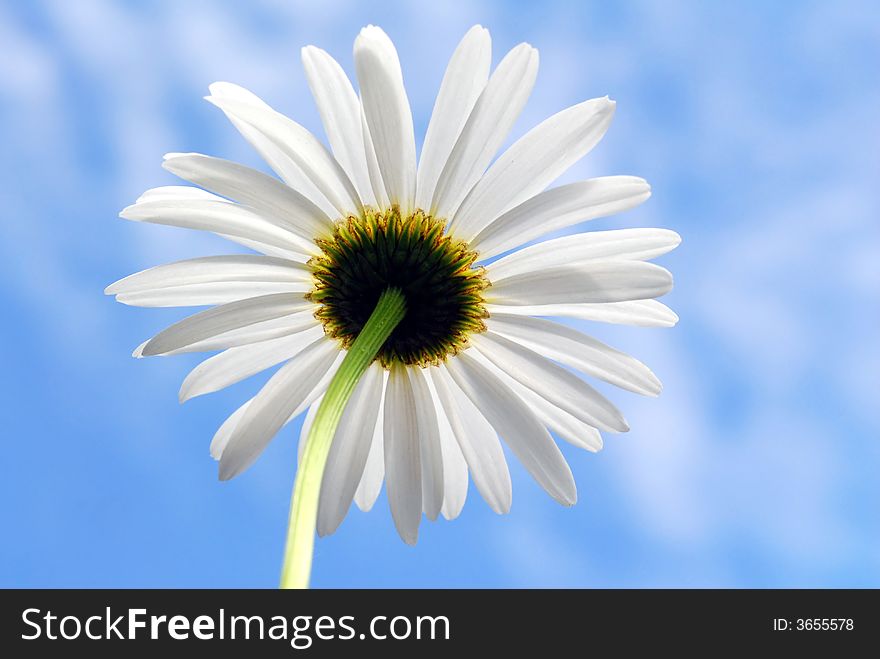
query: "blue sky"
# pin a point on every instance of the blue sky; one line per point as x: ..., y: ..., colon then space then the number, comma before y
x: 754, y: 122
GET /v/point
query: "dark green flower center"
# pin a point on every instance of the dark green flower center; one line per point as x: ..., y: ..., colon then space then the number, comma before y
x: 436, y: 273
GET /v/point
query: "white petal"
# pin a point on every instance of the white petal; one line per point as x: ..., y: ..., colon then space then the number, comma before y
x: 569, y: 428
x: 201, y: 295
x: 463, y: 82
x: 270, y: 250
x: 388, y: 114
x: 236, y: 364
x: 376, y: 182
x: 591, y: 282
x: 238, y: 268
x: 403, y: 477
x: 217, y: 320
x: 262, y: 331
x: 224, y: 433
x: 340, y: 111
x: 184, y: 193
x: 211, y: 280
x: 374, y: 469
x: 430, y: 452
x: 558, y: 208
x: 525, y: 435
x: 222, y: 217
x: 641, y: 313
x: 268, y: 196
x: 551, y: 381
x: 629, y: 244
x: 277, y: 159
x: 300, y: 146
x: 573, y: 348
x: 478, y: 442
x: 317, y: 392
x: 348, y: 453
x: 177, y: 193
x: 455, y: 470
x: 493, y: 116
x: 532, y: 163
x: 272, y: 407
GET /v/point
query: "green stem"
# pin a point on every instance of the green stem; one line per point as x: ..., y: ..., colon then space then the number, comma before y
x: 297, y: 566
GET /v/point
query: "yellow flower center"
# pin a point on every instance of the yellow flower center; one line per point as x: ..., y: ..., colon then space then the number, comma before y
x: 369, y: 253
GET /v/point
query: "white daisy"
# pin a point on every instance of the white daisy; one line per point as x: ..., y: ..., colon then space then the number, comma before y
x: 472, y: 362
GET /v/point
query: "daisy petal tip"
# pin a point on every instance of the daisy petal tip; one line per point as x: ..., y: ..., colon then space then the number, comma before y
x: 477, y: 31
x: 168, y: 160
x: 364, y: 508
x: 130, y: 212
x: 222, y: 88
x: 655, y: 389
x: 215, y: 451
x: 369, y: 36
x: 148, y: 350
x: 521, y: 49
x: 607, y: 110
x: 567, y: 494
x: 309, y: 53
x: 501, y: 509
x: 226, y: 471
x: 123, y: 298
x: 618, y: 424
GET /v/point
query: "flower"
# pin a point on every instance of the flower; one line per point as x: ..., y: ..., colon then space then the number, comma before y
x: 475, y: 357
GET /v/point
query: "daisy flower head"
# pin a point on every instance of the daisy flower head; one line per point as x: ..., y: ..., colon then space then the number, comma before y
x: 366, y: 252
